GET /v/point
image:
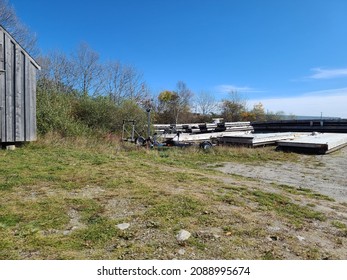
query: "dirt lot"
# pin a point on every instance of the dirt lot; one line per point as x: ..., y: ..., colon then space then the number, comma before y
x: 325, y: 174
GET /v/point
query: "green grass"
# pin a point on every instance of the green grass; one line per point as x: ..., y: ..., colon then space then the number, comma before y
x: 62, y: 199
x: 175, y: 211
x: 339, y: 224
x: 304, y: 191
x: 283, y: 206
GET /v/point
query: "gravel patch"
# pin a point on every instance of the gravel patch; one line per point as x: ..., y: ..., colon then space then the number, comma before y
x: 325, y: 174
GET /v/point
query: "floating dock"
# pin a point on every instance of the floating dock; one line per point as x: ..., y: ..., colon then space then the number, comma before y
x: 321, y: 143
x: 313, y: 136
x: 255, y: 139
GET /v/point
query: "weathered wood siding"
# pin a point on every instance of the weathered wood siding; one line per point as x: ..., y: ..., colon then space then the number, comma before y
x: 17, y: 91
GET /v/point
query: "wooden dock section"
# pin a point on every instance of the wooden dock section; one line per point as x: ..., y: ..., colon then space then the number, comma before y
x: 321, y: 143
x: 255, y: 139
x: 313, y: 136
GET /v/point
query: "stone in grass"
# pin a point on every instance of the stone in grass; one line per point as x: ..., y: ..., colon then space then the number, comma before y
x: 123, y: 226
x: 181, y: 252
x: 300, y: 238
x: 183, y: 235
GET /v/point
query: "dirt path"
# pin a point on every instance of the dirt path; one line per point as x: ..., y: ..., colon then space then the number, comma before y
x: 325, y: 174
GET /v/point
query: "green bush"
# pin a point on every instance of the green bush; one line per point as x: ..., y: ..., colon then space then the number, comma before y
x: 55, y: 113
x: 96, y: 113
x: 72, y: 115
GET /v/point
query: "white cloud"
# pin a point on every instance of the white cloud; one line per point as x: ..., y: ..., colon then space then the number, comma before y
x: 331, y: 103
x: 230, y: 88
x: 320, y: 73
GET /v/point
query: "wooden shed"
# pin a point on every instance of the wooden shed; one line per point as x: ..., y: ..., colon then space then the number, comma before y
x: 17, y: 91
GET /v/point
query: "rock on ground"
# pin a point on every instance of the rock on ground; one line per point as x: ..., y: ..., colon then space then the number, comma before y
x: 183, y: 235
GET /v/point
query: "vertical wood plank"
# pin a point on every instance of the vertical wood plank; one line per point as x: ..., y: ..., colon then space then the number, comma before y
x: 9, y: 106
x: 2, y: 86
x: 19, y: 101
x: 32, y: 92
x: 27, y: 100
x: 23, y: 90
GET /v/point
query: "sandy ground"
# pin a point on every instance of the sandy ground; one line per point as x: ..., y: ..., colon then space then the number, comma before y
x: 325, y: 174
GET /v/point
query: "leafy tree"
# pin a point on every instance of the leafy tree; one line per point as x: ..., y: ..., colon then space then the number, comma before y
x: 167, y: 106
x: 275, y: 116
x: 258, y: 112
x: 174, y: 106
x: 233, y: 108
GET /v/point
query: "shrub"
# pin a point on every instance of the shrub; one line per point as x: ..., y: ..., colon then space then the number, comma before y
x: 72, y: 115
x: 55, y: 114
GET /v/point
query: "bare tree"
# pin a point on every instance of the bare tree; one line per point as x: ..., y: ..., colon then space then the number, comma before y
x: 183, y: 100
x: 113, y: 82
x: 87, y: 70
x: 56, y: 72
x: 62, y: 69
x: 122, y: 82
x: 10, y: 21
x: 206, y: 103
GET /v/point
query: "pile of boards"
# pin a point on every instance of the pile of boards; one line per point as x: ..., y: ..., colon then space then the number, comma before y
x: 199, y: 132
x: 197, y: 128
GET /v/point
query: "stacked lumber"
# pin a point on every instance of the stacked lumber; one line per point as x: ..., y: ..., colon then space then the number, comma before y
x: 203, y: 127
x: 197, y: 132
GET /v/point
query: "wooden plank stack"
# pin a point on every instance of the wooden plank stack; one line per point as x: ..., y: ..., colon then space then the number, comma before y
x: 197, y: 128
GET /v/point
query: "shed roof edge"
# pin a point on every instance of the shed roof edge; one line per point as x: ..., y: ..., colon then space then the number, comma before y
x: 34, y: 62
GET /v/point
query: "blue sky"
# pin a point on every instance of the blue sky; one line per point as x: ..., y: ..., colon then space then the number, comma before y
x: 290, y: 55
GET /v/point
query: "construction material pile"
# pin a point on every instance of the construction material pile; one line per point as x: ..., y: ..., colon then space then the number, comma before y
x: 199, y: 132
x: 303, y: 137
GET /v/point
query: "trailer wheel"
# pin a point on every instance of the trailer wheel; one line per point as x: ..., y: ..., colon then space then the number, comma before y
x: 140, y: 141
x: 206, y: 145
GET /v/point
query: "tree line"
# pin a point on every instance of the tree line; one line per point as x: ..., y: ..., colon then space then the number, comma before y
x: 78, y: 94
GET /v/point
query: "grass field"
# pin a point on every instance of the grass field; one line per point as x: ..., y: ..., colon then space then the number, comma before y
x: 63, y: 199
